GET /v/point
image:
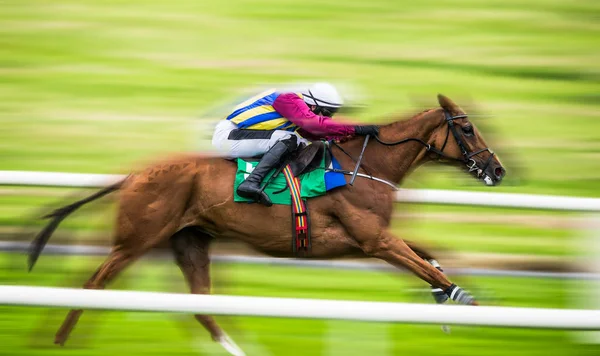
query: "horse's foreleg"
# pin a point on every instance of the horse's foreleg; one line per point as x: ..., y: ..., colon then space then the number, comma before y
x: 420, y: 250
x: 396, y: 252
x: 438, y: 294
x: 191, y: 249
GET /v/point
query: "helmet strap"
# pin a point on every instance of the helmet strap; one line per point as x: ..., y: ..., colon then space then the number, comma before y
x: 318, y: 107
x: 321, y: 110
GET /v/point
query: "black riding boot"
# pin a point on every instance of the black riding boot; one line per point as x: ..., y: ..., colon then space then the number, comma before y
x: 250, y: 188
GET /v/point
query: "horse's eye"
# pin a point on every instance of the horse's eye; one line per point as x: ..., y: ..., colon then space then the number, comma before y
x: 468, y: 130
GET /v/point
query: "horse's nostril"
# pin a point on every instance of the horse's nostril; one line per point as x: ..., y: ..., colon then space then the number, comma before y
x: 499, y: 172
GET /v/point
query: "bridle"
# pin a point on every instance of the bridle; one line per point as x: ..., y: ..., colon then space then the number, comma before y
x: 467, y: 157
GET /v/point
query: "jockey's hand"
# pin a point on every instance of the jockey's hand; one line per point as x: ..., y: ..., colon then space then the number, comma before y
x: 365, y: 130
x: 343, y: 139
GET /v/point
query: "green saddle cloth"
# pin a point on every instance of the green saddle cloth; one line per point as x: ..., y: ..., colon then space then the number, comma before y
x: 312, y: 183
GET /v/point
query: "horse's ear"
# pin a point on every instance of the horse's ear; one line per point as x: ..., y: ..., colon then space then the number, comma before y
x: 447, y: 104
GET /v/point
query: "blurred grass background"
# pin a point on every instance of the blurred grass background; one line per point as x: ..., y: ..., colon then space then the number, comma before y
x: 100, y: 86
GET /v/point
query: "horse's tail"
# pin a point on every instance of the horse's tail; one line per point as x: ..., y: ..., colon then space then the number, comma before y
x: 58, y: 215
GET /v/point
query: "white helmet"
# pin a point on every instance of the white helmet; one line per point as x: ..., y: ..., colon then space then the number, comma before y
x: 323, y: 95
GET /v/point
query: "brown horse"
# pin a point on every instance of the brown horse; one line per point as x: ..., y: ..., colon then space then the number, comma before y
x: 188, y: 201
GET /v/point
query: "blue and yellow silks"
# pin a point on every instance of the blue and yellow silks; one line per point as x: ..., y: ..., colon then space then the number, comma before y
x: 257, y: 113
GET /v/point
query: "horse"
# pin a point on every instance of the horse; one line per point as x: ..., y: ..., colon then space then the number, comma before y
x: 187, y: 201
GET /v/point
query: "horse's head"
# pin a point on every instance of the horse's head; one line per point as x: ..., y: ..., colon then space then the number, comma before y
x: 461, y: 144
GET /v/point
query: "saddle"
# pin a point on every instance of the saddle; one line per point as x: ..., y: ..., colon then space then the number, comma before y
x: 309, y: 158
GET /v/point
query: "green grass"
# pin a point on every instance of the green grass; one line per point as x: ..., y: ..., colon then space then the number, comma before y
x: 27, y: 331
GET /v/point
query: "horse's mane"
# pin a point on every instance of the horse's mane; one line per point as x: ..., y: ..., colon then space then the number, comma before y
x: 399, y: 122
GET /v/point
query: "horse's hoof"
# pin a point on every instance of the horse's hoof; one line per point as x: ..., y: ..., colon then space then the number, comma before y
x: 230, y: 346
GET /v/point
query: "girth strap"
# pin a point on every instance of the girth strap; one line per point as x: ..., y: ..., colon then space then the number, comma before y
x: 301, y: 244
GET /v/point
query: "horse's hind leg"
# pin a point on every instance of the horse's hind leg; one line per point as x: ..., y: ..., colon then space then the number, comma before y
x: 123, y: 254
x: 191, y: 249
x: 150, y: 209
x: 133, y: 239
x: 191, y: 253
x: 114, y: 263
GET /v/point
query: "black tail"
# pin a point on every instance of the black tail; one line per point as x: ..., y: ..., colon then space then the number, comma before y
x: 57, y: 216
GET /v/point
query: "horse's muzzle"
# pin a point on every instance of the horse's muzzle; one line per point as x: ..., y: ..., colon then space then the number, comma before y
x: 493, y: 174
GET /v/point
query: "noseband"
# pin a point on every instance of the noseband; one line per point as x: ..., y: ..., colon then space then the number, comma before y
x: 467, y: 156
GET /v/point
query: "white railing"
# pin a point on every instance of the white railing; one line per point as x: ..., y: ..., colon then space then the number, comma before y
x: 57, y: 179
x: 301, y: 308
x: 431, y: 196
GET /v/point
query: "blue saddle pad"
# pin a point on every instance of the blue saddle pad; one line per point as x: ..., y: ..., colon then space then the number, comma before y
x: 334, y: 179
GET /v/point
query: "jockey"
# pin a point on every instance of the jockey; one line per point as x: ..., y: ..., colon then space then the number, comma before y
x: 272, y: 124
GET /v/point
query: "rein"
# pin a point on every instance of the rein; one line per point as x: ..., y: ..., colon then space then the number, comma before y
x: 467, y: 156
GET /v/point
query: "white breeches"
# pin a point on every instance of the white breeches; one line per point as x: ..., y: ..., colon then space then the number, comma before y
x: 247, y: 143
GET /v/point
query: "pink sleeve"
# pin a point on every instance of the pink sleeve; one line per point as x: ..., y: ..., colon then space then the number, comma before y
x: 307, y: 135
x: 293, y: 108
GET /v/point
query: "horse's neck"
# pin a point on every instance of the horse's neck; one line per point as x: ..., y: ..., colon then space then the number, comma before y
x: 393, y: 163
